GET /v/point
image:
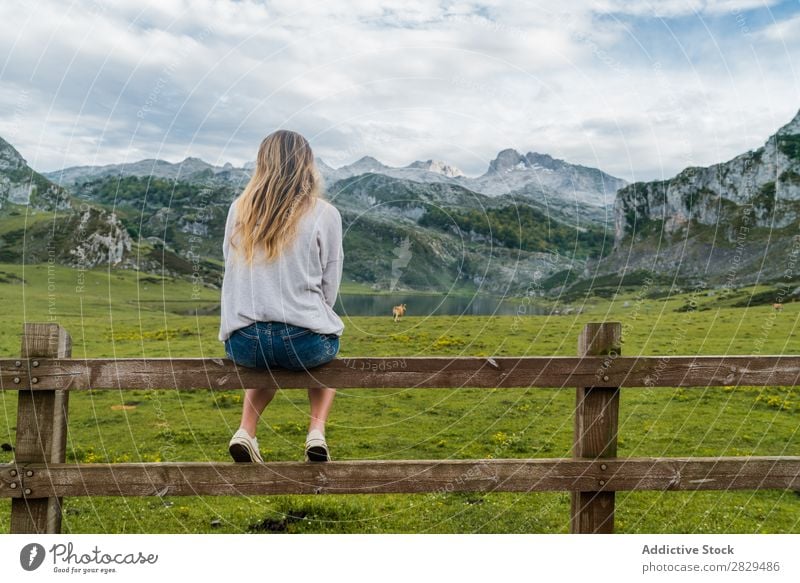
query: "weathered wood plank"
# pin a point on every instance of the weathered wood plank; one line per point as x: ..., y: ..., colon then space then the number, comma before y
x: 596, y: 422
x: 13, y: 373
x: 41, y: 425
x: 10, y: 481
x: 421, y: 372
x: 372, y: 477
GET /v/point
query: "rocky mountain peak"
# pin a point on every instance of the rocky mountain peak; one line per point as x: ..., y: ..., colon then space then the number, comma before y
x: 543, y: 161
x: 507, y: 160
x: 10, y: 158
x: 367, y: 161
x: 190, y: 164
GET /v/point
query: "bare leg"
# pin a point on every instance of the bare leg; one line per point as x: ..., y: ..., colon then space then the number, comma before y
x: 255, y: 401
x: 321, y: 400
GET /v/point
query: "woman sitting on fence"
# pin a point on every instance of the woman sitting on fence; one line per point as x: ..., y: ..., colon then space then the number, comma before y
x: 283, y: 264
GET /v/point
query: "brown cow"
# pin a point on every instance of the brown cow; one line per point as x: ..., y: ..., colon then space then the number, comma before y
x: 777, y: 307
x: 398, y: 312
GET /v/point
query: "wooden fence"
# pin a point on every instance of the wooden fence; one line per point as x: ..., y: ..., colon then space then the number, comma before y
x: 44, y: 375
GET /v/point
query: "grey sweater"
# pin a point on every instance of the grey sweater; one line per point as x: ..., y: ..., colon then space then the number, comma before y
x: 298, y: 288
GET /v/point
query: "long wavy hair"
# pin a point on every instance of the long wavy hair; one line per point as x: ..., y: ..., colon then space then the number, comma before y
x: 284, y: 185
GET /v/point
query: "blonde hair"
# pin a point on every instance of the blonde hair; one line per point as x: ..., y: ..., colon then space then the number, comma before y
x: 284, y: 185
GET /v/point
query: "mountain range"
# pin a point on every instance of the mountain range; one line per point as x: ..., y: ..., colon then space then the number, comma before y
x: 169, y: 218
x: 527, y: 218
x: 536, y: 176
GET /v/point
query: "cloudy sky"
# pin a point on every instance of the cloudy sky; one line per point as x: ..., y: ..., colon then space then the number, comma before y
x: 640, y: 89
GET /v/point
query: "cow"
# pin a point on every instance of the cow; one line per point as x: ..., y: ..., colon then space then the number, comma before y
x: 777, y: 307
x: 398, y: 312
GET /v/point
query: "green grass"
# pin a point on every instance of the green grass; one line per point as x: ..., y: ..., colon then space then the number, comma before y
x: 20, y: 218
x: 127, y: 314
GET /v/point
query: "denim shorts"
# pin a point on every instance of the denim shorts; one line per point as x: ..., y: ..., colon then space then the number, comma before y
x: 268, y: 345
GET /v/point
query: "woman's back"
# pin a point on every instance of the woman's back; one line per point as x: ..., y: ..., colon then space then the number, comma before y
x: 299, y: 287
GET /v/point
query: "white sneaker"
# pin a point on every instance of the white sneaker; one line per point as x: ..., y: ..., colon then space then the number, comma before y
x: 244, y: 448
x: 316, y: 448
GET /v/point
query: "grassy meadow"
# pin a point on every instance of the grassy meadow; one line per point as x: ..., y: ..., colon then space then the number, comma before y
x: 129, y: 314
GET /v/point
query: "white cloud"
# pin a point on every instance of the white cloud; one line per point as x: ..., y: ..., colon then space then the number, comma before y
x: 673, y: 8
x: 399, y: 80
x: 785, y: 31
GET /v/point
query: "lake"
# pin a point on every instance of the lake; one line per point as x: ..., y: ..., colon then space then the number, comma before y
x: 381, y: 305
x: 433, y: 305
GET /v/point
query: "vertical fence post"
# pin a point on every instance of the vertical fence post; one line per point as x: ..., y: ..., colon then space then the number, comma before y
x: 596, y: 419
x: 41, y: 427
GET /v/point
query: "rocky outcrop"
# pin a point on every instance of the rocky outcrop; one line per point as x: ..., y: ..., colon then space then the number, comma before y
x: 761, y: 185
x: 21, y: 185
x: 99, y: 239
x: 437, y: 167
x: 79, y: 234
x: 729, y: 224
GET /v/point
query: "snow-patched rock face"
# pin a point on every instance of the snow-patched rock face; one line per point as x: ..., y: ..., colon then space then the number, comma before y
x: 507, y: 161
x: 437, y: 167
x: 766, y: 181
x: 543, y: 176
x: 428, y: 172
x: 511, y: 172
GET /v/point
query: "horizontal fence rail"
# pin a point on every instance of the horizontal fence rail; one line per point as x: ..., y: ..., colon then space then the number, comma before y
x: 402, y: 476
x: 44, y: 375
